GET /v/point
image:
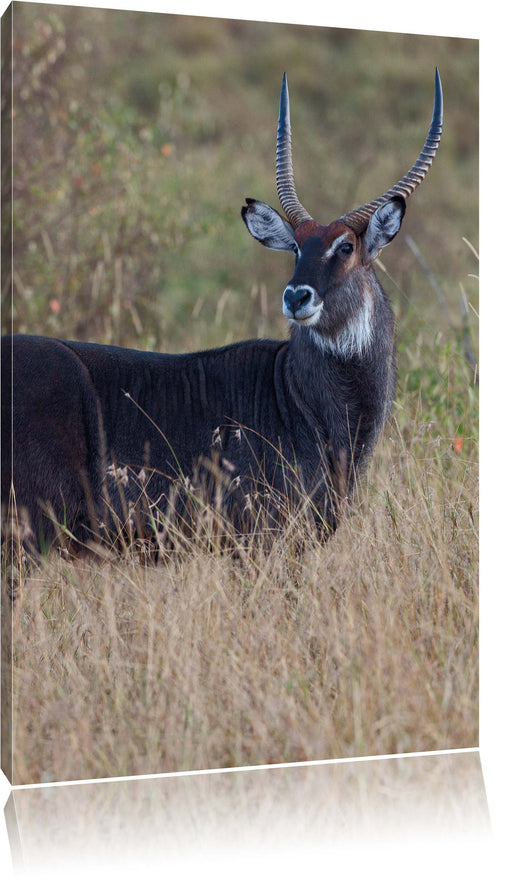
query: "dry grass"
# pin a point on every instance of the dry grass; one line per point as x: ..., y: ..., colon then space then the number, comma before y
x: 364, y: 645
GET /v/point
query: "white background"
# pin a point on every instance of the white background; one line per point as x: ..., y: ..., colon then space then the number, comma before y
x: 489, y: 23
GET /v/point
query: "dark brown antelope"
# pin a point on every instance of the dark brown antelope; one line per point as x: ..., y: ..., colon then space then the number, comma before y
x: 98, y: 438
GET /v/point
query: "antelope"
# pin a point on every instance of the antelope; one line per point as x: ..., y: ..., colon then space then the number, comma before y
x: 96, y: 434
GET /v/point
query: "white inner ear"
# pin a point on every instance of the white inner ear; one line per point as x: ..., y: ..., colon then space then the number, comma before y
x: 383, y: 226
x: 267, y: 225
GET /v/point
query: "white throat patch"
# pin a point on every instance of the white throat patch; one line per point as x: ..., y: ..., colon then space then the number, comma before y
x: 355, y: 337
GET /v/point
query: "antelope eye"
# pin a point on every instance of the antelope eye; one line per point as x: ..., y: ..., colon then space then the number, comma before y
x: 346, y: 248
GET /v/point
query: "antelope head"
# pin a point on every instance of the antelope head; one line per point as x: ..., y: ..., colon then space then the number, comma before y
x: 331, y: 290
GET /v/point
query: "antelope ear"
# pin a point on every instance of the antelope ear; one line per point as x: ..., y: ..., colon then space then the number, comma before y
x: 267, y: 226
x: 383, y: 225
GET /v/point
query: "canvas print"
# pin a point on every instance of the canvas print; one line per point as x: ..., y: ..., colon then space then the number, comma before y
x: 239, y: 393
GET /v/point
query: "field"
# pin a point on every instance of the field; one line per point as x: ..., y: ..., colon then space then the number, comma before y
x: 136, y: 140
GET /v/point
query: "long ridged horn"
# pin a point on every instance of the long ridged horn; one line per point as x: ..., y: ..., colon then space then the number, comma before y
x: 358, y: 219
x: 294, y: 211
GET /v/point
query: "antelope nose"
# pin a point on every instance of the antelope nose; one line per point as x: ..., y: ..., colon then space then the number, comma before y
x: 295, y: 299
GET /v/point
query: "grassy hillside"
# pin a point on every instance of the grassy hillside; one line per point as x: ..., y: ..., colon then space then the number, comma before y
x: 136, y: 139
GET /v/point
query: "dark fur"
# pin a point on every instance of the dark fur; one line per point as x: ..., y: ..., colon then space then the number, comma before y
x: 257, y: 416
x: 106, y: 440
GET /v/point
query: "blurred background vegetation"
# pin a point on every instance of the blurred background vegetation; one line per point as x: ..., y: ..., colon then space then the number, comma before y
x: 137, y: 137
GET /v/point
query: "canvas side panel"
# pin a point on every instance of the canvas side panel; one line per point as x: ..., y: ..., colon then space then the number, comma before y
x: 6, y: 281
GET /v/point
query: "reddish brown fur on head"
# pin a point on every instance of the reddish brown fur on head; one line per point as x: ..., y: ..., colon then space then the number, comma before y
x: 329, y: 237
x: 331, y: 288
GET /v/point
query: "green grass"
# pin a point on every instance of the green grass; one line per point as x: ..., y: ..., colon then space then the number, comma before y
x: 138, y: 246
